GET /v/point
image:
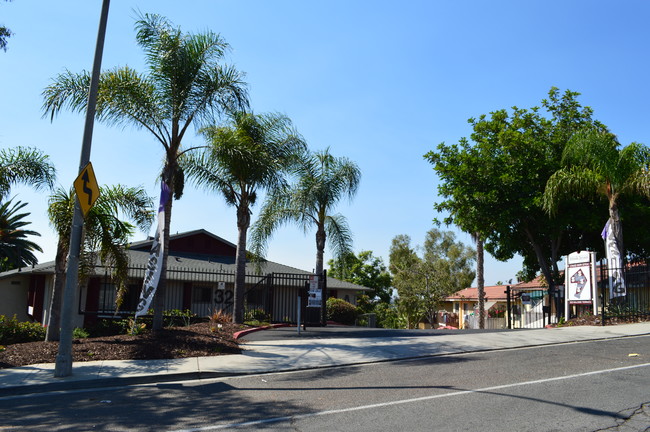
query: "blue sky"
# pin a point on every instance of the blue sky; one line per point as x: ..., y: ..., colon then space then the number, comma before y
x: 380, y: 82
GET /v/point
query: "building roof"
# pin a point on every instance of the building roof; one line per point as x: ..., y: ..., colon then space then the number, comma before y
x: 195, y: 262
x: 492, y: 293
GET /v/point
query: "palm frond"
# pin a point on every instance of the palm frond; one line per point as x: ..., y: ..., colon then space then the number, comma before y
x: 25, y: 165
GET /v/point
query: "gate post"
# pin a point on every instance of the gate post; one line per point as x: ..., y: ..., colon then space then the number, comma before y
x: 509, y: 306
x: 324, y: 299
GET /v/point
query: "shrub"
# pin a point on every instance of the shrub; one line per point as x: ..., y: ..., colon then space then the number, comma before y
x: 341, y: 311
x: 12, y: 331
x: 259, y: 315
x: 218, y: 319
x: 176, y: 317
x: 80, y: 333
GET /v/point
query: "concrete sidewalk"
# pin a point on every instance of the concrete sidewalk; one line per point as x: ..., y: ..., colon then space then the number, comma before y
x: 295, y: 354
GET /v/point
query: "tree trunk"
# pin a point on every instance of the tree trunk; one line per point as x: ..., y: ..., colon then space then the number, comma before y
x: 243, y: 222
x: 159, y: 297
x: 480, y: 281
x: 53, y: 332
x: 320, y: 248
x: 615, y: 226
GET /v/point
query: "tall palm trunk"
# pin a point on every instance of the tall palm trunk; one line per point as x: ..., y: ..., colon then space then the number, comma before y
x: 159, y: 298
x: 243, y: 222
x: 53, y: 332
x: 320, y: 248
x: 480, y: 280
x: 615, y: 223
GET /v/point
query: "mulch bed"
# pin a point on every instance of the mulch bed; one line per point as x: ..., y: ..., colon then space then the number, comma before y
x: 196, y: 340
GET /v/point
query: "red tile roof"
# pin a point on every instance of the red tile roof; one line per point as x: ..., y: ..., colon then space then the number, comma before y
x: 492, y: 293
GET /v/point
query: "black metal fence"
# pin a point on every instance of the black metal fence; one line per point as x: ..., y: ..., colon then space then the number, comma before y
x: 271, y: 297
x: 624, y: 293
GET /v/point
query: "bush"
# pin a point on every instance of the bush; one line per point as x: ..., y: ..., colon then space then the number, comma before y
x: 387, y: 316
x: 80, y: 333
x: 259, y: 315
x: 12, y: 331
x: 341, y: 311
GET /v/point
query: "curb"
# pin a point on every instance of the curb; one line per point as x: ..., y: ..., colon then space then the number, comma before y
x: 242, y: 333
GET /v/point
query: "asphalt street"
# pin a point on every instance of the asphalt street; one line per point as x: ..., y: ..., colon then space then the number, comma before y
x: 583, y: 386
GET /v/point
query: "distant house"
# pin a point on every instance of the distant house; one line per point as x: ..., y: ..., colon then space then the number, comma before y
x: 200, y: 275
x: 464, y: 304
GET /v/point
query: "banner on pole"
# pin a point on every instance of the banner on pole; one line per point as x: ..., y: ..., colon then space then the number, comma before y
x: 614, y: 263
x: 154, y: 266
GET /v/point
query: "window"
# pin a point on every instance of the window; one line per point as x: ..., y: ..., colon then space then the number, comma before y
x: 202, y: 294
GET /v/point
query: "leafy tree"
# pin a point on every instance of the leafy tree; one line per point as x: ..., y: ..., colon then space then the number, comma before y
x: 250, y: 154
x: 493, y: 187
x: 186, y: 86
x: 423, y: 282
x: 15, y: 249
x: 24, y: 165
x: 366, y: 270
x: 594, y: 164
x: 105, y: 237
x: 323, y: 180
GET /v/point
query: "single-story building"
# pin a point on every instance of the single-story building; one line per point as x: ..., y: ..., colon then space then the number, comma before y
x: 200, y: 277
x: 464, y: 304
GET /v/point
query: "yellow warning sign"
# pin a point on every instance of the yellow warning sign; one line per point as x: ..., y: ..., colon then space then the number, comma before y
x: 87, y: 189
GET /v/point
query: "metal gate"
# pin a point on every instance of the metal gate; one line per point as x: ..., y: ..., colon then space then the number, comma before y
x: 528, y: 309
x: 279, y: 296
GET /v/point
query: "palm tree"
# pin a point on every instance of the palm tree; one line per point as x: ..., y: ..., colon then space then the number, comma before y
x: 186, y: 85
x: 105, y: 237
x: 15, y: 248
x: 593, y: 164
x: 323, y: 180
x: 251, y: 153
x: 25, y: 165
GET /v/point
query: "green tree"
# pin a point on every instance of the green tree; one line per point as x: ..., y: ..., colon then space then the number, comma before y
x: 252, y: 153
x: 493, y: 186
x: 105, y: 238
x: 24, y: 165
x: 15, y: 249
x: 323, y: 180
x: 186, y: 86
x: 423, y: 282
x: 594, y: 164
x: 364, y: 269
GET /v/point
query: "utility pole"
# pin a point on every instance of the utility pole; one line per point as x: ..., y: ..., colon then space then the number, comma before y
x: 63, y: 365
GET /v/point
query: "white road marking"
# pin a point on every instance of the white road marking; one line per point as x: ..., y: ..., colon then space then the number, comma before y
x: 406, y: 401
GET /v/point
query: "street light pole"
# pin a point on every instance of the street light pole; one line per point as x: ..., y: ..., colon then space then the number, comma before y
x: 63, y: 365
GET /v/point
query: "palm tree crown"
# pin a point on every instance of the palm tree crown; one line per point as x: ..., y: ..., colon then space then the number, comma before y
x: 15, y: 248
x: 322, y: 181
x: 25, y: 165
x: 595, y: 165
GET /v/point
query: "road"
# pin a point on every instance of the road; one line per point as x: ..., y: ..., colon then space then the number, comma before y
x: 589, y: 386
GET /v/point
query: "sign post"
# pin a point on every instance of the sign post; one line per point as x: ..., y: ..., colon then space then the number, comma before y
x: 63, y: 364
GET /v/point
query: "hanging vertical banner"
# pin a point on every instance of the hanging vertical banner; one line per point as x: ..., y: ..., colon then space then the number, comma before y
x: 154, y: 266
x: 614, y: 263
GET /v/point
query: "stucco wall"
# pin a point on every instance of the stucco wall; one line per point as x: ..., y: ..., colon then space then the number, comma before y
x: 14, y: 297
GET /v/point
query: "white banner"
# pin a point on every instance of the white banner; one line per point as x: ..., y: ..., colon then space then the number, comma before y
x: 154, y: 267
x: 614, y: 263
